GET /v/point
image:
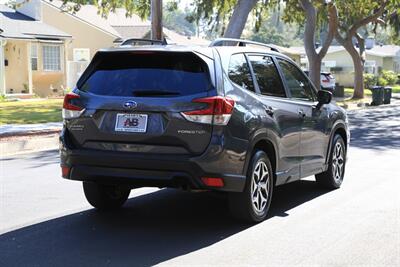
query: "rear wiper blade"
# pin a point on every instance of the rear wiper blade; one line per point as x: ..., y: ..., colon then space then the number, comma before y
x: 154, y: 93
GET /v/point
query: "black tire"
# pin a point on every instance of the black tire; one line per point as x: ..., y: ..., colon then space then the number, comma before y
x: 241, y: 204
x: 333, y: 177
x: 105, y: 197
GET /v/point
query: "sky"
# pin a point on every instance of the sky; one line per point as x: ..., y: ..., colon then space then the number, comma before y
x: 182, y: 3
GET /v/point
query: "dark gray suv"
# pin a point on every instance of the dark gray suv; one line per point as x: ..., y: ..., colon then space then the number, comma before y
x: 236, y: 117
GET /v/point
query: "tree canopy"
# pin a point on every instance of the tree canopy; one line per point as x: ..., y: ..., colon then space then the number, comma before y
x: 138, y: 7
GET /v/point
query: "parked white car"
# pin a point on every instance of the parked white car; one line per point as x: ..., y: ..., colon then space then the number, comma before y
x: 327, y: 81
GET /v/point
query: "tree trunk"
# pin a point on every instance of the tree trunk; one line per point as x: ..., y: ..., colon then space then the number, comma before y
x: 315, y: 70
x: 361, y: 47
x: 239, y: 18
x: 156, y: 20
x: 314, y: 58
x: 314, y: 61
x: 358, y: 70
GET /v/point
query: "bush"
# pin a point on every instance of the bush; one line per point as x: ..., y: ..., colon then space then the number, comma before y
x: 389, y: 76
x: 369, y: 80
x: 382, y: 81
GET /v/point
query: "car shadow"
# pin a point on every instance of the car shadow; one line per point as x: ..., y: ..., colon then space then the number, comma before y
x: 36, y: 159
x: 43, y: 158
x: 150, y: 229
x: 375, y: 129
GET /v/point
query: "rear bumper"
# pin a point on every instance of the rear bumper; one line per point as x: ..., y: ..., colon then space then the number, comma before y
x: 330, y: 88
x: 139, y: 170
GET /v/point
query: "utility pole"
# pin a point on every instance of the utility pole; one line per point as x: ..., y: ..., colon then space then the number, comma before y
x: 156, y: 20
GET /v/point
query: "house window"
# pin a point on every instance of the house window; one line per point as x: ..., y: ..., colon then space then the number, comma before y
x: 51, y: 57
x: 34, y: 56
x: 81, y: 54
x: 396, y: 67
x: 370, y: 66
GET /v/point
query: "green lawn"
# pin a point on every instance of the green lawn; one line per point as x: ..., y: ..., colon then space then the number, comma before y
x: 28, y: 112
x: 396, y: 89
x: 350, y: 91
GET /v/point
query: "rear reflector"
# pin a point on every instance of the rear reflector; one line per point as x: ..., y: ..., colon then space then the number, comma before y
x: 65, y: 171
x: 70, y: 110
x: 218, y: 111
x: 213, y: 182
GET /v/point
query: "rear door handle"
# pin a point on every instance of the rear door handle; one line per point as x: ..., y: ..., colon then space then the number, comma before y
x: 269, y: 110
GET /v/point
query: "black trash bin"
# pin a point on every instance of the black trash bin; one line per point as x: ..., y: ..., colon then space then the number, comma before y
x: 377, y: 95
x: 387, y: 95
x: 339, y: 91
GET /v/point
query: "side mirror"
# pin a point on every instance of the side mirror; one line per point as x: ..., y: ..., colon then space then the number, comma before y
x: 324, y: 97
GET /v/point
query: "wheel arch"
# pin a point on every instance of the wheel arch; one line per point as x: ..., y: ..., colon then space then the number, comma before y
x: 339, y: 128
x: 342, y: 132
x: 266, y: 145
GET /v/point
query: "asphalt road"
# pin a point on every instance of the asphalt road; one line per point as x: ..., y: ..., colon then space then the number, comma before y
x: 45, y: 220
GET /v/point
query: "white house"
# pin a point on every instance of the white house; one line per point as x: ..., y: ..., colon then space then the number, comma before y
x: 339, y: 62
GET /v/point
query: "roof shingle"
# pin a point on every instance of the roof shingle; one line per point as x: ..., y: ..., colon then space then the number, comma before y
x: 18, y: 26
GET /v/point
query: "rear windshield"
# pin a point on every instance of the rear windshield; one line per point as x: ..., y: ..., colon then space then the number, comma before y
x: 146, y: 74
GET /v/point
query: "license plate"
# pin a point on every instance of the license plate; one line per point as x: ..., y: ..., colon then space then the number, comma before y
x: 135, y: 123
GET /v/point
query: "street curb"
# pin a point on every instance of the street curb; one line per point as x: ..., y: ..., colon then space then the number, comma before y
x: 28, y: 143
x: 5, y: 136
x: 384, y: 106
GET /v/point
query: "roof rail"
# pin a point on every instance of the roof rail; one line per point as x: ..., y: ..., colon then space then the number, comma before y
x: 241, y: 42
x: 140, y: 41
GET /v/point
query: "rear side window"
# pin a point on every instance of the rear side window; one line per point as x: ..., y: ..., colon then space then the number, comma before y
x: 147, y: 74
x: 267, y: 76
x: 239, y: 72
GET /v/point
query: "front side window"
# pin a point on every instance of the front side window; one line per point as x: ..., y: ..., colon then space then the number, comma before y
x: 267, y: 76
x: 239, y: 72
x: 51, y: 57
x: 299, y: 86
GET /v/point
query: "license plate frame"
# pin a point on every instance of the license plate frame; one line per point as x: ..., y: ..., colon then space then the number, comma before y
x: 123, y: 125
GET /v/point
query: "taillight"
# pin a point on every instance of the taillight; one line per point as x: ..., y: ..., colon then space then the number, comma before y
x: 70, y: 110
x: 218, y: 111
x: 326, y: 80
x: 65, y: 171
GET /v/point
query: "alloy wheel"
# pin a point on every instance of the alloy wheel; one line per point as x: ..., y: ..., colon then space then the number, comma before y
x: 338, y: 162
x: 260, y: 187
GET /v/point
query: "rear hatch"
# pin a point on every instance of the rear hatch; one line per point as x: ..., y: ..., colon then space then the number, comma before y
x: 327, y: 80
x: 133, y: 101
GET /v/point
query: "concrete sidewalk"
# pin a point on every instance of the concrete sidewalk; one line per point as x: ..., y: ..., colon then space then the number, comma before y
x: 365, y: 103
x: 14, y: 145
